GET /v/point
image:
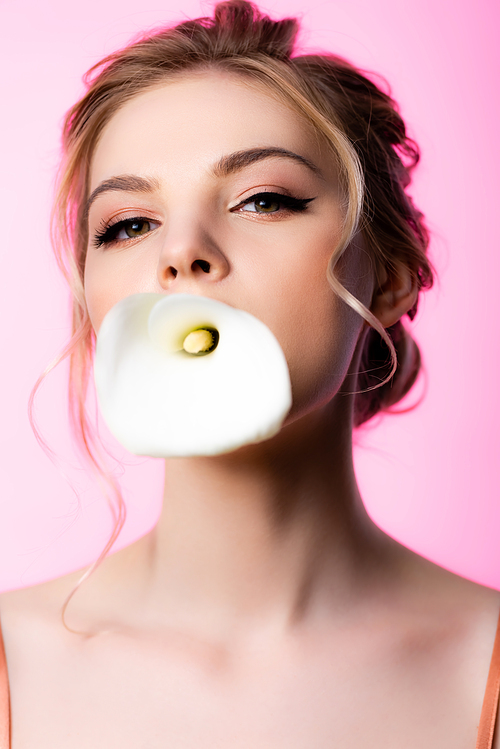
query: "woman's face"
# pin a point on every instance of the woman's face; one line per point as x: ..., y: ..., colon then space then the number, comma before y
x: 178, y: 181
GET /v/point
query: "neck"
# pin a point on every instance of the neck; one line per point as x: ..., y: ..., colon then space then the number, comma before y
x: 272, y: 532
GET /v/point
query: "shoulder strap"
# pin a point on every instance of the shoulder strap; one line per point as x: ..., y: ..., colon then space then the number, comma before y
x: 4, y: 699
x: 490, y: 704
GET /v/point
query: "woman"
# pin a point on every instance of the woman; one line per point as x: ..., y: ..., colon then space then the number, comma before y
x: 265, y: 608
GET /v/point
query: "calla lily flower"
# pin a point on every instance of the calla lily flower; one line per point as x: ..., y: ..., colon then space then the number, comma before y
x: 183, y: 375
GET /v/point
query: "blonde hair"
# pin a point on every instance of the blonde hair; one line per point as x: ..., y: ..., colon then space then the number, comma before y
x: 358, y: 121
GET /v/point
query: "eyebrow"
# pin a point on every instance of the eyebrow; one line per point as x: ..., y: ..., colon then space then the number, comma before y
x: 240, y: 159
x: 125, y: 183
x: 227, y: 165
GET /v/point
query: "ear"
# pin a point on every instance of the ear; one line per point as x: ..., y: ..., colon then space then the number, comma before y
x: 396, y: 295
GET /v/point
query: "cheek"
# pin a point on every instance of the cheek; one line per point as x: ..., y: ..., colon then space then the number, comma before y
x: 319, y: 346
x: 101, y: 293
x: 110, y: 277
x: 317, y: 330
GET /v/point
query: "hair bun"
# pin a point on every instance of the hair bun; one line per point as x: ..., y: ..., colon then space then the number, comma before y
x: 374, y: 367
x: 241, y: 27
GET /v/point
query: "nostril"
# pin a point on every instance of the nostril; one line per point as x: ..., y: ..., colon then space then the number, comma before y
x: 203, y: 265
x: 173, y: 271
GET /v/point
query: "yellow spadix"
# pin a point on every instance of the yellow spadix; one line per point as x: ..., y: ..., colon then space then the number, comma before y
x: 184, y: 375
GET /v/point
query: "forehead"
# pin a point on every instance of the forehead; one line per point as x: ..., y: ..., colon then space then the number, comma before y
x: 189, y: 123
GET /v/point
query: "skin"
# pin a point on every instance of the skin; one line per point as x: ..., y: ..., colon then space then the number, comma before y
x: 265, y: 608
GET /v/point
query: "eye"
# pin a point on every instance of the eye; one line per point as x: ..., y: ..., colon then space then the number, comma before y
x: 121, y: 231
x: 263, y: 204
x: 136, y: 228
x: 272, y: 202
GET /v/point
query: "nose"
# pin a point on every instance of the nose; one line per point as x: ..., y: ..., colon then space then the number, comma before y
x: 190, y: 253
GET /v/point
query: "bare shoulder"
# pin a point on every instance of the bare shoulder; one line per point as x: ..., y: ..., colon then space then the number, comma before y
x: 41, y: 598
x: 31, y: 616
x: 454, y: 615
x: 106, y: 593
x: 434, y: 583
x: 447, y: 626
x: 433, y: 594
x: 428, y: 643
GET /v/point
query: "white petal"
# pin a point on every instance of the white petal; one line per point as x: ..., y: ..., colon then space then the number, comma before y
x: 160, y: 401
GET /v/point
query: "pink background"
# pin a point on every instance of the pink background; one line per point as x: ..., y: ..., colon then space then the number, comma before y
x: 430, y: 478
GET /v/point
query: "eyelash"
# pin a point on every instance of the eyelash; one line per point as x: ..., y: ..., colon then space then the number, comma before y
x: 106, y: 234
x: 291, y: 204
